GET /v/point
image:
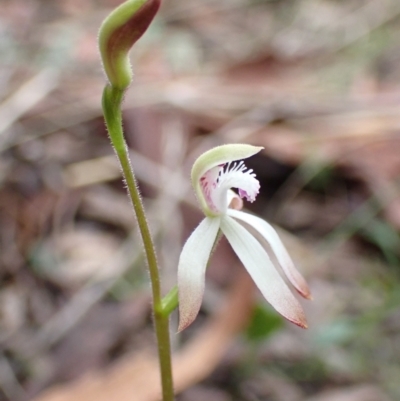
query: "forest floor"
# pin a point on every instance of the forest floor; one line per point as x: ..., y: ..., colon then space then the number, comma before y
x: 317, y: 83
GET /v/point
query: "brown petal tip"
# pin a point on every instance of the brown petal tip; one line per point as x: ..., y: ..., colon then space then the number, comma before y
x: 303, y: 324
x: 299, y: 320
x: 306, y: 294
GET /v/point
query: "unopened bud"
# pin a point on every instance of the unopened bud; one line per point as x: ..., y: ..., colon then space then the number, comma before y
x: 118, y: 33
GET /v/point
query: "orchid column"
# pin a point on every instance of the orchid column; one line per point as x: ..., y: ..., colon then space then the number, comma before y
x: 118, y: 33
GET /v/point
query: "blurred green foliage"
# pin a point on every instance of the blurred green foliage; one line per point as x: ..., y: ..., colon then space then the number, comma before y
x: 263, y: 323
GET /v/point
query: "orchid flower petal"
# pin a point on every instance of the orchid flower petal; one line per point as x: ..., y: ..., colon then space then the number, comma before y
x: 262, y: 271
x: 271, y: 236
x: 217, y: 156
x: 231, y: 175
x: 192, y: 267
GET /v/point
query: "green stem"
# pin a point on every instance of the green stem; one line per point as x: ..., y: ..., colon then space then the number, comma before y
x: 170, y: 302
x: 112, y: 100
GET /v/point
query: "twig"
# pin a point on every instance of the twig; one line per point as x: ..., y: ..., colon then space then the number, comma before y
x: 24, y: 99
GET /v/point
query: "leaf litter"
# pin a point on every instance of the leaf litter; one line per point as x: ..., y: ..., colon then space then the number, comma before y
x: 315, y: 82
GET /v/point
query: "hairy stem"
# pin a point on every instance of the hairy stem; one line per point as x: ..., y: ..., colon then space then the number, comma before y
x: 112, y: 100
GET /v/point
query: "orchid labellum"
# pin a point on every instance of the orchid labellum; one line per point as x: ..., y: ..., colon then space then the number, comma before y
x: 214, y: 174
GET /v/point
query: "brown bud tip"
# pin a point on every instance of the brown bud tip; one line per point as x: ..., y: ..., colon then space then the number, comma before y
x: 119, y: 32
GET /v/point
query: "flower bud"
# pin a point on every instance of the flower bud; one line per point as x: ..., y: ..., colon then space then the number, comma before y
x: 119, y: 32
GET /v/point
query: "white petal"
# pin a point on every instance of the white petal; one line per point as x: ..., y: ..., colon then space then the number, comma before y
x: 261, y: 269
x: 192, y: 268
x: 271, y: 236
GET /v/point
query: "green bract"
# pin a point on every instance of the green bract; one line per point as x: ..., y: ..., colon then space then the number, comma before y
x: 118, y: 33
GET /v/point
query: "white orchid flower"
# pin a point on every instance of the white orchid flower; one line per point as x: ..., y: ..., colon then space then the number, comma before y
x: 213, y: 175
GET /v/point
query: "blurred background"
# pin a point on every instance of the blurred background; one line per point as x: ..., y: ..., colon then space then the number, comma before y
x: 316, y: 82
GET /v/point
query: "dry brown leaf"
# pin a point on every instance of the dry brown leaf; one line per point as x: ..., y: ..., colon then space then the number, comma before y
x: 76, y: 256
x: 137, y: 376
